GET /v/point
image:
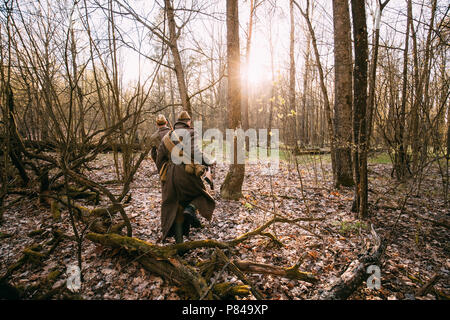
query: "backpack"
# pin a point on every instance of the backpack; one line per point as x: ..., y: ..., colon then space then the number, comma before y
x: 191, y: 168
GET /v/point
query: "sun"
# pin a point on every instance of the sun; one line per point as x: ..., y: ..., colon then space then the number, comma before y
x: 258, y: 69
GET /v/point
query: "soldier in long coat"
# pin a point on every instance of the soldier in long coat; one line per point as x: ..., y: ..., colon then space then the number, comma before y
x: 156, y: 137
x: 183, y: 193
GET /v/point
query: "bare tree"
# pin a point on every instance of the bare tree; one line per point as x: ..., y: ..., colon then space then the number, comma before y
x: 373, y: 68
x: 342, y: 93
x: 292, y: 105
x: 360, y: 106
x: 245, y: 87
x: 323, y: 87
x: 231, y: 187
x: 174, y: 35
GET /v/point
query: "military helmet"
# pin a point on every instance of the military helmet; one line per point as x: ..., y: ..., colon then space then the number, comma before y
x: 183, y: 116
x: 161, y: 120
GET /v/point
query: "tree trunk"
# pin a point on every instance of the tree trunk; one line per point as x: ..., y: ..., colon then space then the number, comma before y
x: 292, y: 107
x: 417, y: 95
x: 245, y: 91
x: 343, y: 93
x: 323, y: 87
x: 306, y: 82
x: 179, y: 71
x: 14, y: 137
x: 360, y: 105
x: 400, y: 160
x: 373, y: 71
x: 232, y: 186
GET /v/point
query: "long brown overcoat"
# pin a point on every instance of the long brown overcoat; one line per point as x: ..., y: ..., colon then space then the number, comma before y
x: 155, y: 140
x: 181, y: 188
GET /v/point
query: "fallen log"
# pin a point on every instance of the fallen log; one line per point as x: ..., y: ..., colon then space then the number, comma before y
x: 441, y: 222
x: 49, y: 146
x: 228, y: 290
x: 355, y: 274
x: 92, y: 184
x: 162, y: 260
x: 312, y: 152
x: 98, y: 220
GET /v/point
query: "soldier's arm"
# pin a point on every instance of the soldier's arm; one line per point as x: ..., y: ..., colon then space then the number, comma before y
x: 153, y: 140
x: 154, y: 153
x: 162, y: 156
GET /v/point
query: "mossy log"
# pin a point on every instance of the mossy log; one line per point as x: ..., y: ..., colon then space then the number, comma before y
x: 36, y: 232
x: 99, y: 220
x: 102, y: 212
x: 132, y: 245
x: 159, y: 260
x: 163, y: 261
x: 34, y: 256
x: 28, y: 254
x: 228, y: 290
x: 56, y: 212
x: 92, y: 184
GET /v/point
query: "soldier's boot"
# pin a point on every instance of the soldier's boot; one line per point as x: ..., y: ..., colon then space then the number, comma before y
x: 178, y: 224
x: 190, y: 215
x: 178, y: 232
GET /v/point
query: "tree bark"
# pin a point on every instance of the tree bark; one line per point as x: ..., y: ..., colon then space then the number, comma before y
x: 245, y: 91
x: 179, y: 71
x: 293, y: 109
x: 373, y: 70
x: 343, y: 93
x: 360, y: 105
x: 232, y: 186
x: 400, y: 159
x: 416, y: 94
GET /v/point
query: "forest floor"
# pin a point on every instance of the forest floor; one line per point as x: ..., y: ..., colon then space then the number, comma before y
x: 417, y: 251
